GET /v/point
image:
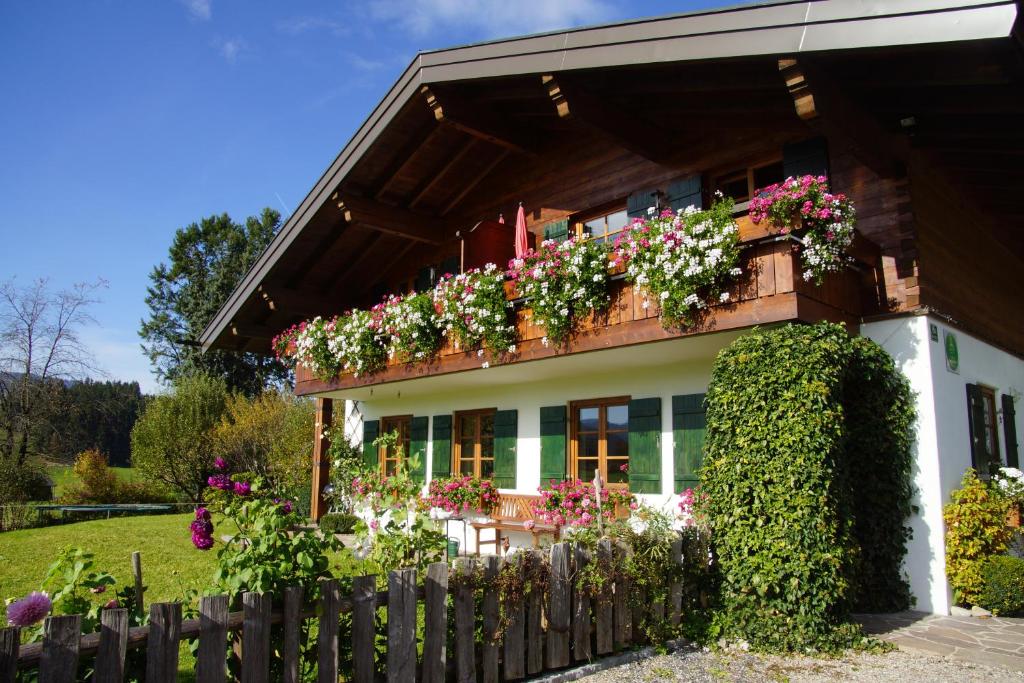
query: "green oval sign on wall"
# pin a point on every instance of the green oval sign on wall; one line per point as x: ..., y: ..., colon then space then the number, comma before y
x: 952, y: 352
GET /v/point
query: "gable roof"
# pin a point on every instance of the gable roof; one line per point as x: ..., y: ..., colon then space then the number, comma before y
x: 785, y: 27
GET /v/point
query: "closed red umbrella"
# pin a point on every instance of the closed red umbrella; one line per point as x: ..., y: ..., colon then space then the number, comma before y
x: 521, y: 244
x: 501, y: 218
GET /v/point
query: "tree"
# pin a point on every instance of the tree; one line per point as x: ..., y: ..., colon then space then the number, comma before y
x: 40, y: 350
x: 172, y: 442
x: 207, y: 261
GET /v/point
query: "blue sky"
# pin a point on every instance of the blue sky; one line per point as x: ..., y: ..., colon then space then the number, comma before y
x: 122, y: 120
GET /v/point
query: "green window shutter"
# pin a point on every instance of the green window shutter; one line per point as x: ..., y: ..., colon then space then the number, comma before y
x: 645, y: 445
x: 418, y: 448
x: 506, y: 434
x: 641, y: 200
x: 557, y: 230
x: 442, y: 451
x: 1010, y: 431
x: 424, y: 279
x: 981, y: 459
x: 552, y: 444
x: 371, y: 430
x: 688, y: 426
x: 809, y: 157
x: 686, y: 192
x: 449, y: 266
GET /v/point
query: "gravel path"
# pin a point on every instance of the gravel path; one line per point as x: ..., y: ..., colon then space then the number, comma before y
x: 740, y: 667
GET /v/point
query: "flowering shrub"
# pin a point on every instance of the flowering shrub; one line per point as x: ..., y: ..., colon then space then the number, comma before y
x: 472, y: 309
x: 356, y: 342
x: 806, y: 203
x: 462, y: 494
x: 684, y: 260
x: 1010, y: 481
x: 975, y: 532
x: 563, y: 281
x: 307, y: 343
x: 573, y: 503
x: 690, y: 504
x: 407, y: 326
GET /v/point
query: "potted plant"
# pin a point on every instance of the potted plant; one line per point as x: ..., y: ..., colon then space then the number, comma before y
x: 1011, y: 483
x: 461, y: 496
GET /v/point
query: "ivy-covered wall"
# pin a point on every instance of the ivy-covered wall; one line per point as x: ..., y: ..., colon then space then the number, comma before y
x: 807, y: 467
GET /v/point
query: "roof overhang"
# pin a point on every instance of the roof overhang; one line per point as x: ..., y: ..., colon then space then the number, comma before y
x: 776, y: 28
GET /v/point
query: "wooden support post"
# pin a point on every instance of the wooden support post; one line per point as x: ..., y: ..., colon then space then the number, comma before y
x: 534, y: 630
x: 490, y: 609
x: 580, y: 609
x: 321, y: 464
x: 113, y: 646
x: 327, y: 639
x: 515, y: 638
x: 401, y: 667
x: 10, y: 638
x: 435, y: 623
x: 211, y: 664
x: 59, y: 661
x: 604, y: 641
x: 364, y: 614
x: 623, y: 613
x: 162, y: 647
x: 560, y: 607
x: 465, y: 623
x: 292, y: 632
x: 256, y: 637
x: 675, y: 591
x: 140, y: 599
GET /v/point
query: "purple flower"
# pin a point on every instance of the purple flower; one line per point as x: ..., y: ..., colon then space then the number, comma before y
x: 220, y: 481
x: 203, y: 514
x: 96, y: 590
x: 202, y: 541
x: 201, y: 527
x: 220, y: 464
x: 29, y: 610
x: 111, y: 604
x: 242, y: 488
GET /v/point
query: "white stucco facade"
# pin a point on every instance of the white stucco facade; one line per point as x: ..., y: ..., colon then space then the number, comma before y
x: 942, y: 449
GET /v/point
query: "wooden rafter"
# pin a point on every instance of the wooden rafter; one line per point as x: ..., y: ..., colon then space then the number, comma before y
x: 439, y: 174
x: 468, y: 186
x: 338, y: 286
x: 450, y: 110
x: 386, y: 267
x: 404, y: 160
x: 573, y: 102
x: 292, y: 301
x: 389, y: 219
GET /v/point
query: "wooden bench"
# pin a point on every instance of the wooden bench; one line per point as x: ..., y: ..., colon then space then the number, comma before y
x: 512, y: 514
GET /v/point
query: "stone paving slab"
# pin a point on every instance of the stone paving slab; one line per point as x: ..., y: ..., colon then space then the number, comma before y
x: 995, y: 641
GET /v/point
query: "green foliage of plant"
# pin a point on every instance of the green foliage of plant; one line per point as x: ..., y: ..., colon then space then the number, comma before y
x: 173, y: 440
x: 338, y: 523
x: 975, y: 531
x: 472, y: 309
x: 268, y: 435
x: 97, y: 483
x: 1003, y: 591
x: 780, y: 495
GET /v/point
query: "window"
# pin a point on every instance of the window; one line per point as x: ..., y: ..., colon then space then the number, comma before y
x: 604, y: 226
x: 390, y: 456
x: 740, y: 184
x: 474, y: 443
x: 600, y: 440
x: 981, y: 403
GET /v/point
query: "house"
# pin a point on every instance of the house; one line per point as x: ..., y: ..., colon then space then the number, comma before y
x: 913, y: 109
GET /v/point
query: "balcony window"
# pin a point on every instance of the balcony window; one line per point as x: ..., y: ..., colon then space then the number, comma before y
x: 740, y: 184
x: 390, y: 456
x: 605, y: 226
x: 474, y: 443
x: 600, y: 440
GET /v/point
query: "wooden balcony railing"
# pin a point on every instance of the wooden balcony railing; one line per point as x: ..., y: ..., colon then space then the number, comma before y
x: 769, y: 290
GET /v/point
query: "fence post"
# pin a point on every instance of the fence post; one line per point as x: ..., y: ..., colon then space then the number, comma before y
x: 364, y: 613
x: 139, y: 589
x: 534, y: 630
x: 211, y: 665
x: 9, y: 644
x: 515, y: 641
x: 59, y: 661
x: 465, y: 621
x: 292, y: 629
x: 580, y: 609
x: 604, y: 640
x: 559, y: 610
x: 675, y: 591
x: 623, y: 612
x: 435, y: 623
x: 113, y: 646
x: 491, y: 615
x: 327, y: 639
x: 162, y: 645
x: 256, y: 637
x: 401, y: 626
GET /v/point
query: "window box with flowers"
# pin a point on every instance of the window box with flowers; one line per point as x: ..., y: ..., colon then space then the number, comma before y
x: 463, y: 496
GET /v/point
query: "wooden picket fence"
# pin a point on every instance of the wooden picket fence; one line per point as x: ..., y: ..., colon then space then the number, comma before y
x: 575, y: 628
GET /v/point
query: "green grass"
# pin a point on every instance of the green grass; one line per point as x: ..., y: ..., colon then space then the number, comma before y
x: 64, y: 475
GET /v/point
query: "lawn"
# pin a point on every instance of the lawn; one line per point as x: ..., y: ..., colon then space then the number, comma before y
x: 63, y: 475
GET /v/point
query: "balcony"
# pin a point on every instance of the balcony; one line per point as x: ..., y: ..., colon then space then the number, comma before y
x: 770, y: 290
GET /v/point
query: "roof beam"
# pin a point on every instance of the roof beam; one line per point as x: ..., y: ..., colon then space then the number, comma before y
x: 389, y: 219
x: 474, y: 120
x: 290, y: 301
x: 404, y: 159
x: 638, y: 136
x: 439, y: 174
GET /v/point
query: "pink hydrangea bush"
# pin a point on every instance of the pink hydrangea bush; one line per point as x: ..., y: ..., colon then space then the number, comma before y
x: 458, y: 495
x: 806, y: 203
x: 573, y: 503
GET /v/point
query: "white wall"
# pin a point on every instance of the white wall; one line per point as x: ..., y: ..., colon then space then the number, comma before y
x: 942, y: 450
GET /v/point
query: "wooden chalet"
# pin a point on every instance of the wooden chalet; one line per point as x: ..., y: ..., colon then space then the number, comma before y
x: 913, y: 108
